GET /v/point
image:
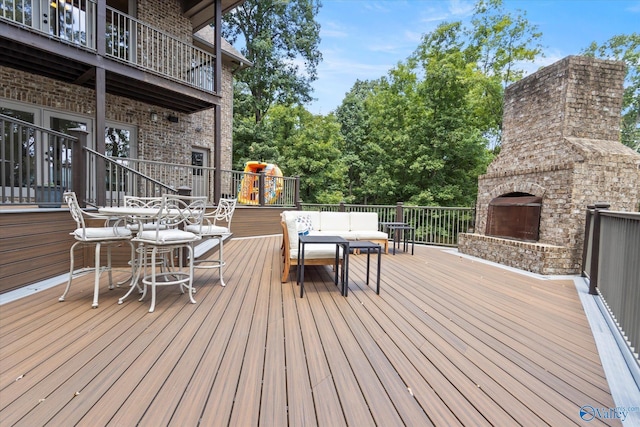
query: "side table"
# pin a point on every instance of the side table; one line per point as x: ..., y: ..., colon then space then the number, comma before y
x: 369, y: 246
x: 334, y: 240
x: 402, y: 229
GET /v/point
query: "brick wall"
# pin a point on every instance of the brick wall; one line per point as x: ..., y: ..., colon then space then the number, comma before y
x: 561, y: 130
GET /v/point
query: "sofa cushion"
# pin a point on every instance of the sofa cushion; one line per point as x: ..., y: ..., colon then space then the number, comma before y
x: 363, y: 221
x: 317, y: 251
x: 334, y: 222
x: 315, y: 219
x: 371, y: 235
x: 289, y: 218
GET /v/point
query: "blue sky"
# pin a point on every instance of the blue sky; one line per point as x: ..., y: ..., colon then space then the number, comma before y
x: 364, y: 39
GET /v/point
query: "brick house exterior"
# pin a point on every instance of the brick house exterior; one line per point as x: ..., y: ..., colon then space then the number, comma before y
x: 160, y: 140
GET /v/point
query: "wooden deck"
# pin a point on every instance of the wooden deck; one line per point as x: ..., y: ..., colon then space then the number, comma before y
x: 449, y: 341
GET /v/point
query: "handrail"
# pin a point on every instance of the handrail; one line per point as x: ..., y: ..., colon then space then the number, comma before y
x: 612, y: 267
x: 136, y: 43
x: 114, y: 169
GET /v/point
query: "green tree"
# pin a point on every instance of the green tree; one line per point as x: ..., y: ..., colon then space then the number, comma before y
x: 625, y: 48
x: 311, y: 146
x: 278, y: 36
x: 359, y: 151
x: 499, y: 40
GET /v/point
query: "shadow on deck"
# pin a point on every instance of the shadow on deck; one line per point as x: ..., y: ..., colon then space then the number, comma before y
x: 449, y: 341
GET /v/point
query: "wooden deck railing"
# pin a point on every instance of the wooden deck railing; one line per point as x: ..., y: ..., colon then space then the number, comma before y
x: 611, y: 262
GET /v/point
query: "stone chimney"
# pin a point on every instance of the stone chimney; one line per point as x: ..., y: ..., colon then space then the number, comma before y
x: 560, y: 152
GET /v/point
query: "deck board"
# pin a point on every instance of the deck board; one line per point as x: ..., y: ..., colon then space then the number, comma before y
x: 449, y: 341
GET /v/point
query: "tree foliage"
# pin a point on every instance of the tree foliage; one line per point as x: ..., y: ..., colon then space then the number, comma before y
x: 281, y: 40
x: 311, y: 147
x: 625, y: 48
x: 423, y: 133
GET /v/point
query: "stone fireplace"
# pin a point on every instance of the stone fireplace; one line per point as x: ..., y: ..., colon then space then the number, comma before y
x: 560, y: 153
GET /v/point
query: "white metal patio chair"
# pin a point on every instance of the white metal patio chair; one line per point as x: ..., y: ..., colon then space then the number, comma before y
x: 177, y: 213
x: 107, y: 235
x: 211, y: 228
x: 135, y: 224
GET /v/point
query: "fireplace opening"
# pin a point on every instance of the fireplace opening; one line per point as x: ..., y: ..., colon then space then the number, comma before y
x: 515, y: 216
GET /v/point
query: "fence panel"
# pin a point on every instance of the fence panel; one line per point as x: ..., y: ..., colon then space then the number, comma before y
x: 619, y: 271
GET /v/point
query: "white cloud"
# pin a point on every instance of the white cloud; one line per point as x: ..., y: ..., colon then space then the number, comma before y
x: 634, y: 8
x: 461, y: 8
x: 333, y: 30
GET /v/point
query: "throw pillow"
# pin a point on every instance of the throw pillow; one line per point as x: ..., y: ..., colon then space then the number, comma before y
x: 303, y: 224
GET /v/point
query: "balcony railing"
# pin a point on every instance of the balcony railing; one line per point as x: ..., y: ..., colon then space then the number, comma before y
x: 35, y: 167
x: 611, y: 262
x: 139, y: 44
x: 69, y: 21
x: 127, y: 39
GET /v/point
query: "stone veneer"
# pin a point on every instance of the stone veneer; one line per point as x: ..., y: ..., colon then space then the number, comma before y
x: 561, y: 130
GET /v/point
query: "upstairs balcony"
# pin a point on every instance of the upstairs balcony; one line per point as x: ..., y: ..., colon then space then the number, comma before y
x: 68, y: 40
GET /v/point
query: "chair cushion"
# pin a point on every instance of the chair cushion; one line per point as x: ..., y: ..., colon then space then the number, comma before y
x: 99, y: 233
x: 208, y: 230
x: 169, y: 236
x: 145, y: 226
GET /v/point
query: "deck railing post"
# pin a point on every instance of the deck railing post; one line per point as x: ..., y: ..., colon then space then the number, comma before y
x: 261, y: 181
x: 399, y: 212
x: 296, y: 193
x: 79, y: 165
x: 595, y: 248
x: 341, y: 207
x: 587, y: 240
